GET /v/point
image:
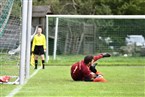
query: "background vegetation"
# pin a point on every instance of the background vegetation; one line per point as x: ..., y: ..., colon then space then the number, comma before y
x: 95, y: 7
x: 90, y: 7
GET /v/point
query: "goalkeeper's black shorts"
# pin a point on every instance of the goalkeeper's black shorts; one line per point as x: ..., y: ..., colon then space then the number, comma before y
x: 38, y: 50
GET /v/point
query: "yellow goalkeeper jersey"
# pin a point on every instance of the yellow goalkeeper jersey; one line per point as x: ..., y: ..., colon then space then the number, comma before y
x: 39, y: 40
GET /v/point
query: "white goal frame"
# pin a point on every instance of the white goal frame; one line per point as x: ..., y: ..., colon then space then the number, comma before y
x: 80, y: 16
x: 25, y: 41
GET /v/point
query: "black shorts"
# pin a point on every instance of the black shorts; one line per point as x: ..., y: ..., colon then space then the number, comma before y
x: 38, y: 50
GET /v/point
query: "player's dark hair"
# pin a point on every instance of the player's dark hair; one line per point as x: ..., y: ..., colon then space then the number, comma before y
x: 40, y: 27
x: 88, y: 59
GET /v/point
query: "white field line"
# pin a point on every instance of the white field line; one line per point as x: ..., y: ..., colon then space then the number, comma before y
x: 19, y: 87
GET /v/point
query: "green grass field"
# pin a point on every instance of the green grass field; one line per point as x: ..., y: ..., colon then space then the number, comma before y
x: 55, y: 80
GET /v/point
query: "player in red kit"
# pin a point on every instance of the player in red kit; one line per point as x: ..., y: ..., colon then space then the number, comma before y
x: 85, y: 69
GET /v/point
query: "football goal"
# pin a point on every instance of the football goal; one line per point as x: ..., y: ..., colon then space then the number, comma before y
x: 92, y: 34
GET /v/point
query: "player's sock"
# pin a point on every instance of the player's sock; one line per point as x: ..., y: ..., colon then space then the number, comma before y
x: 43, y: 65
x: 36, y: 63
x: 99, y: 73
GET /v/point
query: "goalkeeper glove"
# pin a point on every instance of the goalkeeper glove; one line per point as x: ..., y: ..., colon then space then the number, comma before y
x: 106, y: 55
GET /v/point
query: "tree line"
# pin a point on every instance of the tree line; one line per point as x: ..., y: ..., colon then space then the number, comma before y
x: 95, y: 7
x: 88, y: 7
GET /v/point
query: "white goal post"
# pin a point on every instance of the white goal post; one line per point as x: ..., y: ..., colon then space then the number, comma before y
x: 81, y: 17
x: 26, y: 40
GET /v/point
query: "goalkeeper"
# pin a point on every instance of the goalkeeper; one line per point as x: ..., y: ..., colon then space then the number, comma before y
x: 85, y: 69
x: 39, y: 47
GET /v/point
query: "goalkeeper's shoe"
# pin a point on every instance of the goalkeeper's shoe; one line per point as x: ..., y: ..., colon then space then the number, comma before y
x: 99, y: 79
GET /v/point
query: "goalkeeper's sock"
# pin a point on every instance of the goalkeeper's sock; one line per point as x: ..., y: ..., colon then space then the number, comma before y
x: 93, y: 68
x: 43, y: 65
x: 36, y: 63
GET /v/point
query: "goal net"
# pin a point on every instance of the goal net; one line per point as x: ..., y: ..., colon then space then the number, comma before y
x: 14, y: 66
x: 10, y: 31
x: 90, y: 34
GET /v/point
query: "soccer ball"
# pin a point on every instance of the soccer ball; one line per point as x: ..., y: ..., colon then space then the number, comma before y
x: 125, y: 55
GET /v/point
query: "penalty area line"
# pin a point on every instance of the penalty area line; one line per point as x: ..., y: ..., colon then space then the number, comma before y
x: 19, y: 87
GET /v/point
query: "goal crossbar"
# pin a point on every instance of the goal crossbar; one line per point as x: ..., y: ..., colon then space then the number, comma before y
x: 100, y: 16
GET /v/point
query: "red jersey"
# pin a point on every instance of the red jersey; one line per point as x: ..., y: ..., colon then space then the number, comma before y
x: 80, y: 71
